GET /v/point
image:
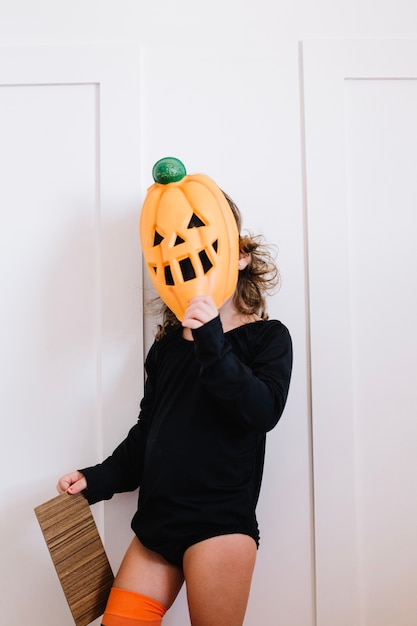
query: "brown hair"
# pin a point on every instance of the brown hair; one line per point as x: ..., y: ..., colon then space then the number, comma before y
x: 259, y: 277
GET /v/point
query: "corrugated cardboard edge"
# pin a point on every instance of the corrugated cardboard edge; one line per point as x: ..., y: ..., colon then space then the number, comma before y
x: 78, y: 555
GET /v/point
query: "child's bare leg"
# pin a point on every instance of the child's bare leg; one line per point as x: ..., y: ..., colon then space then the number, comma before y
x: 144, y: 588
x: 146, y: 572
x: 218, y: 574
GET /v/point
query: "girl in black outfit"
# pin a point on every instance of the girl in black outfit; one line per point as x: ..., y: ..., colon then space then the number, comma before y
x: 216, y: 384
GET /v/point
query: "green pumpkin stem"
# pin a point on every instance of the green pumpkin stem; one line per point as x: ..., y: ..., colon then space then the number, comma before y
x: 168, y: 170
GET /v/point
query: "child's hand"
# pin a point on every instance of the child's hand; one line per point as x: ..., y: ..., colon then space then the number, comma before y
x: 72, y: 483
x: 200, y: 310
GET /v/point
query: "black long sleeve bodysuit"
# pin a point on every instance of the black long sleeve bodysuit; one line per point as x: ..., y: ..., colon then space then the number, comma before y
x: 197, y: 450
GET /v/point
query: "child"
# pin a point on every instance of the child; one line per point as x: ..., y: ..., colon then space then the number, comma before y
x: 216, y: 383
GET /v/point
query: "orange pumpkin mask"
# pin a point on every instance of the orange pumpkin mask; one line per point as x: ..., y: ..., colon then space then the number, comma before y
x: 189, y: 236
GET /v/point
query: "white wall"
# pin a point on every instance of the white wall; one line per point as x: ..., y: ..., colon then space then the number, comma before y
x: 220, y: 88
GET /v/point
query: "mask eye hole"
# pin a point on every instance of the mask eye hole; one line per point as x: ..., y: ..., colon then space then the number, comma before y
x: 157, y: 239
x: 195, y: 222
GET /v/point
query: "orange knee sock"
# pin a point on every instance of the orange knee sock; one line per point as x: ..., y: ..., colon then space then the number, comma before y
x: 127, y: 608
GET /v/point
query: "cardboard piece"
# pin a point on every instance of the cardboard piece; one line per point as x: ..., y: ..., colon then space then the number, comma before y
x: 78, y: 555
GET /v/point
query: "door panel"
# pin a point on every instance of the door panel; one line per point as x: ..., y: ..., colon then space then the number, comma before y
x: 225, y: 115
x: 382, y: 161
x: 361, y: 131
x: 63, y: 223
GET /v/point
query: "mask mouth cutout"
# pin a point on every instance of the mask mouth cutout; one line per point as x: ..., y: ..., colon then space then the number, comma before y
x: 188, y: 271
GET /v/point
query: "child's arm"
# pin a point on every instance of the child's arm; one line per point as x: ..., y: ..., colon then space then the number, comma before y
x: 254, y: 392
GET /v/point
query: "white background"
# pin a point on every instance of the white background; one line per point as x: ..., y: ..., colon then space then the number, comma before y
x: 259, y: 97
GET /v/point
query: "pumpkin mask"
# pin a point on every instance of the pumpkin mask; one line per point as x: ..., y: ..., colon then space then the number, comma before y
x: 189, y: 237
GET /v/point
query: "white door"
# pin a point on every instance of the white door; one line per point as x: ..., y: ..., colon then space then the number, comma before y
x: 361, y: 164
x: 70, y: 290
x: 81, y: 127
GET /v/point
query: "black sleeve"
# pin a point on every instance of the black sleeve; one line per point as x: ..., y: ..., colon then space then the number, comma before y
x: 255, y: 393
x: 122, y: 470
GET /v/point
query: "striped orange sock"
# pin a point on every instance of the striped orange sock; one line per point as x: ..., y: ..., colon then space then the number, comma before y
x: 127, y: 608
